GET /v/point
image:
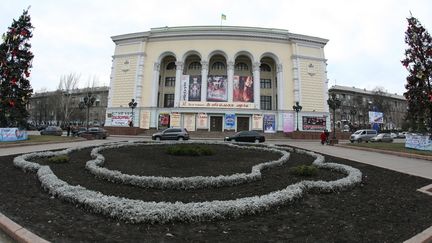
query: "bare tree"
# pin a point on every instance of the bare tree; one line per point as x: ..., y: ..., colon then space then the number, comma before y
x: 68, y: 84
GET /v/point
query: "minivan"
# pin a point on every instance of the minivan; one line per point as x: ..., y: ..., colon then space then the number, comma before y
x: 363, y: 135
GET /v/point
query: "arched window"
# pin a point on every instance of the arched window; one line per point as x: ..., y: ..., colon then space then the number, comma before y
x: 241, y: 66
x: 194, y: 66
x: 218, y: 66
x: 171, y: 66
x: 265, y: 68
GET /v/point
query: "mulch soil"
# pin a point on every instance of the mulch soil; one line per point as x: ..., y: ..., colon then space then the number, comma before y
x: 385, y: 207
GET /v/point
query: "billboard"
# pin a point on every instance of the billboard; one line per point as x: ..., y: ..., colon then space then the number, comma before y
x: 12, y: 134
x: 194, y: 88
x: 257, y: 122
x: 288, y: 122
x: 375, y: 117
x: 217, y: 88
x: 317, y: 123
x: 229, y: 121
x: 202, y: 121
x: 243, y: 89
x: 184, y: 87
x: 164, y: 121
x: 269, y: 123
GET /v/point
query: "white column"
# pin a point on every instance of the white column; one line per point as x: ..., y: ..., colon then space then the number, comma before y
x: 296, y: 73
x: 204, y: 75
x: 281, y: 87
x: 230, y: 72
x: 179, y: 72
x: 155, y: 85
x: 138, y: 80
x: 111, y: 86
x: 257, y: 80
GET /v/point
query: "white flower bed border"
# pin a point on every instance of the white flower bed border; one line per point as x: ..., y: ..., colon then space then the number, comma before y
x: 193, y: 182
x: 137, y: 211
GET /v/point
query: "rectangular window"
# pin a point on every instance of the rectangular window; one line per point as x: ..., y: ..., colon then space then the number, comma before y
x: 265, y: 84
x: 169, y: 100
x: 266, y: 102
x: 169, y: 81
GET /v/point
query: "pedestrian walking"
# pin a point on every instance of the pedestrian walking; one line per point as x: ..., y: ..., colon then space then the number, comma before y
x: 323, y: 137
x: 68, y: 129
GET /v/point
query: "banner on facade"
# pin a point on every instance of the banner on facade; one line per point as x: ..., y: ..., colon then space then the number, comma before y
x: 269, y: 123
x: 418, y: 142
x: 229, y: 121
x: 195, y: 88
x: 257, y: 122
x: 175, y: 119
x: 217, y: 88
x: 228, y: 105
x: 145, y: 120
x: 202, y: 121
x: 314, y: 123
x: 288, y: 122
x: 376, y: 117
x: 118, y: 118
x: 164, y: 121
x: 184, y: 95
x: 189, y: 121
x: 12, y: 134
x: 243, y: 89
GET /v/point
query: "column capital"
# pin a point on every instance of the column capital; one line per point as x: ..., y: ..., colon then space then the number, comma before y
x: 179, y: 66
x: 230, y: 65
x: 156, y: 66
x: 279, y: 68
x: 256, y: 66
x: 204, y: 65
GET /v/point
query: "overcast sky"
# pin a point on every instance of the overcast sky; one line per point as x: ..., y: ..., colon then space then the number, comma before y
x: 365, y: 48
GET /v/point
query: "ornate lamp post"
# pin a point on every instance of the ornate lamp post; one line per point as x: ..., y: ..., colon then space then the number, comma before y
x: 88, y: 102
x: 334, y: 103
x: 297, y: 107
x: 132, y: 105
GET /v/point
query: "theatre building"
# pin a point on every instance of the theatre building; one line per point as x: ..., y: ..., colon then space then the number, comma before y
x: 218, y: 78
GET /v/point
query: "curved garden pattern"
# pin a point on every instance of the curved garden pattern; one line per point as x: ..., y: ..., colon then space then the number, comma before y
x: 136, y: 211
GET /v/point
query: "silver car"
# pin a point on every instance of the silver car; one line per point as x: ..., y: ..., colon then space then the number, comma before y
x: 382, y: 137
x: 362, y: 135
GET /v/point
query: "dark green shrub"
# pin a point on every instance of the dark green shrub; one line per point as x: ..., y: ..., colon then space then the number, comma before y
x: 189, y: 150
x: 59, y: 159
x: 304, y: 170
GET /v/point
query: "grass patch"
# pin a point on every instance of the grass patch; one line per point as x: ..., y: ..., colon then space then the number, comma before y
x: 397, y: 147
x: 59, y: 159
x: 304, y: 170
x: 42, y: 139
x: 189, y: 150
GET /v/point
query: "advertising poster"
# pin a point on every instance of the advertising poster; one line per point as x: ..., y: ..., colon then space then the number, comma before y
x: 164, y: 121
x: 12, y: 134
x: 184, y: 92
x: 175, y: 120
x: 120, y: 118
x: 195, y: 88
x: 217, y: 88
x: 269, y: 123
x: 257, y: 122
x: 229, y: 121
x: 375, y: 117
x: 145, y: 120
x: 418, y: 142
x: 314, y: 123
x: 189, y: 122
x: 243, y: 89
x: 202, y: 121
x: 288, y: 122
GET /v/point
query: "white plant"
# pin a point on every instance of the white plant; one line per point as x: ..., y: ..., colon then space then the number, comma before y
x: 136, y: 211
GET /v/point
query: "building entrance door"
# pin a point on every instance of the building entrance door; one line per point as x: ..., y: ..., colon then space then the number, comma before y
x: 216, y: 123
x: 242, y: 124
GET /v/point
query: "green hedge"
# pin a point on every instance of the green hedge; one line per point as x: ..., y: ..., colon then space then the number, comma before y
x: 304, y: 170
x: 59, y: 159
x: 191, y: 150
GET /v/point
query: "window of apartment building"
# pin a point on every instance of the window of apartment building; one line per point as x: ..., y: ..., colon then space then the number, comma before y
x: 194, y: 66
x: 218, y: 66
x: 241, y: 66
x: 266, y: 102
x: 169, y: 81
x: 171, y: 66
x: 169, y: 100
x: 265, y: 84
x: 265, y: 68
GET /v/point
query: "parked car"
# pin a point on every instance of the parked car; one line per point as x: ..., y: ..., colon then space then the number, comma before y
x: 96, y: 132
x: 52, y: 130
x: 78, y: 131
x: 362, y: 135
x: 172, y: 134
x: 382, y: 137
x: 402, y: 134
x: 393, y: 135
x: 246, y: 136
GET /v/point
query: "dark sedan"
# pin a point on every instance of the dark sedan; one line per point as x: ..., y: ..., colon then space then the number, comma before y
x: 246, y: 136
x: 52, y: 130
x: 94, y: 132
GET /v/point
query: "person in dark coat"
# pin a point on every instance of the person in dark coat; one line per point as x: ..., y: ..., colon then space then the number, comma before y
x: 323, y: 137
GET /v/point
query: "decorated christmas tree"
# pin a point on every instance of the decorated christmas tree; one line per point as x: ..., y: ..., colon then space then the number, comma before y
x: 418, y: 62
x: 15, y: 63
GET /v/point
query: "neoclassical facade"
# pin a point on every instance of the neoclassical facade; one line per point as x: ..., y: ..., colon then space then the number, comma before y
x: 218, y: 78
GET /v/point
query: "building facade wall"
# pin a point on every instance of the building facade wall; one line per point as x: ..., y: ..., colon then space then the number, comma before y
x: 140, y: 59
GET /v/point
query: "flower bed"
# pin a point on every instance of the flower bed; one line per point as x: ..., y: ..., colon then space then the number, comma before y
x: 135, y: 211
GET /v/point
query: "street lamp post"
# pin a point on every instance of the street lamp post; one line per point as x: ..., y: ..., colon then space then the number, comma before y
x: 297, y: 107
x: 88, y: 102
x: 132, y: 105
x: 334, y: 103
